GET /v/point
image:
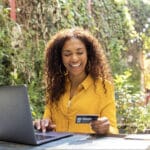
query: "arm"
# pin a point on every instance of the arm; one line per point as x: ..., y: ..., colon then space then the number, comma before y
x: 107, y: 123
x: 45, y: 124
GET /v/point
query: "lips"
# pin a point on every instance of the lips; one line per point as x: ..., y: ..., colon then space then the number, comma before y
x: 75, y: 65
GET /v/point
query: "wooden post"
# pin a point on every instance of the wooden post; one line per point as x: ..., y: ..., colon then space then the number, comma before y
x: 13, y: 9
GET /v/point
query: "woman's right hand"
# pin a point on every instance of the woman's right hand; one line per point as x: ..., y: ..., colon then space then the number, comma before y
x: 44, y: 125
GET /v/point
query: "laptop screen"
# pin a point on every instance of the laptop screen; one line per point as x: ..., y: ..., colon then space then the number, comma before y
x: 16, y: 119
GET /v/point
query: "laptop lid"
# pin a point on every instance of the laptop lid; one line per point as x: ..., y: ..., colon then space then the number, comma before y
x: 16, y: 119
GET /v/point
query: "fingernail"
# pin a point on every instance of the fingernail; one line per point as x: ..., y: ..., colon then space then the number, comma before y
x: 46, y: 124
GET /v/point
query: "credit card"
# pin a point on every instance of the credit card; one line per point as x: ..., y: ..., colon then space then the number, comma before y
x: 86, y: 118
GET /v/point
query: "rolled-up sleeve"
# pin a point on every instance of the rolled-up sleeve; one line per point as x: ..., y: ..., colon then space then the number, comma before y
x: 109, y: 109
x: 47, y: 111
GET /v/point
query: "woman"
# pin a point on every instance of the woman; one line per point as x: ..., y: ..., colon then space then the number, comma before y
x: 78, y: 82
x: 147, y: 78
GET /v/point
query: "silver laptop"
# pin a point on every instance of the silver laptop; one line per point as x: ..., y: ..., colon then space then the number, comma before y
x: 16, y: 119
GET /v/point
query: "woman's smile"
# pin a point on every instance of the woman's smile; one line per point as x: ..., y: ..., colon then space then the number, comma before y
x: 74, y: 56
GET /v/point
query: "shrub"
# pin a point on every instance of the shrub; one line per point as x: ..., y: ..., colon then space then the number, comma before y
x: 133, y: 116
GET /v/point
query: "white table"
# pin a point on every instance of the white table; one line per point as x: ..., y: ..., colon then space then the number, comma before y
x: 80, y: 141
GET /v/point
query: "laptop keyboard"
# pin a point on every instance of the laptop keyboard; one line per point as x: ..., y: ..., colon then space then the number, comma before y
x: 42, y: 137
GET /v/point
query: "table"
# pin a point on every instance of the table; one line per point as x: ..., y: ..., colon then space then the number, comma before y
x: 82, y: 141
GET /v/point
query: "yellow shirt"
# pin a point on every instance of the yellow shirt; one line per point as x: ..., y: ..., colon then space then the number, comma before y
x: 147, y: 80
x: 90, y: 99
x: 147, y: 74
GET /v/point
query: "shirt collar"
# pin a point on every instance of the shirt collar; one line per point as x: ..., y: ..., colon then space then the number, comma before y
x: 85, y: 84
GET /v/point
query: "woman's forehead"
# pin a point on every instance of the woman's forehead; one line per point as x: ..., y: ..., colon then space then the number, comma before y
x: 73, y: 41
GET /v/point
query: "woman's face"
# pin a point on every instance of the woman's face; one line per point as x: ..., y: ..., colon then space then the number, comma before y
x: 74, y: 57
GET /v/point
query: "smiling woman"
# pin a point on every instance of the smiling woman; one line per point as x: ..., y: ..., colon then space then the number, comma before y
x: 74, y: 58
x: 78, y: 82
x: 147, y: 78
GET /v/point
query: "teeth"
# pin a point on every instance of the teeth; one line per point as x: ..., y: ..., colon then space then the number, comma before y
x: 75, y: 65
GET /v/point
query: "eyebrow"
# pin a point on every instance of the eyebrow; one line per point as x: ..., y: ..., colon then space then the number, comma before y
x: 66, y: 50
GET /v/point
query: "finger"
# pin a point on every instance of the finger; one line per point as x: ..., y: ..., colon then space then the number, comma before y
x: 103, y: 119
x: 101, y: 126
x: 100, y: 130
x: 52, y: 127
x: 36, y: 124
x: 104, y: 125
x: 47, y: 125
x: 43, y: 126
x: 46, y: 122
x: 100, y: 120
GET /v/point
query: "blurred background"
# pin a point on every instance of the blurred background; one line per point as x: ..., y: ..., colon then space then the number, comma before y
x: 123, y: 28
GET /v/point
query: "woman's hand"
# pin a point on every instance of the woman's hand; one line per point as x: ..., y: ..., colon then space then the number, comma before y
x: 44, y: 125
x: 101, y: 125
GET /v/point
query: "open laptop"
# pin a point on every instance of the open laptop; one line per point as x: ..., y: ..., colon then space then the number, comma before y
x: 16, y: 119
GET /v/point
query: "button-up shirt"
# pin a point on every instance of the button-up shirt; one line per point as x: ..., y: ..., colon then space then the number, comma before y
x: 90, y: 98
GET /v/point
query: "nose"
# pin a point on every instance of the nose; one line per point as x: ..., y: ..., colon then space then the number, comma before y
x: 74, y: 58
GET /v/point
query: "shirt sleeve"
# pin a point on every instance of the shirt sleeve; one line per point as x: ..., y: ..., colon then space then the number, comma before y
x: 109, y: 109
x: 147, y: 80
x: 47, y: 111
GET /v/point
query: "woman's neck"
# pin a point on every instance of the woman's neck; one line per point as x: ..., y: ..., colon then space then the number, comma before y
x: 76, y: 80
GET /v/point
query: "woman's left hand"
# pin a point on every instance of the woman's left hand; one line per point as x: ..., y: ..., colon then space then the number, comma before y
x: 101, y: 125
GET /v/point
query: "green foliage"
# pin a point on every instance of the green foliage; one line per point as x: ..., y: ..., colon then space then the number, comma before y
x: 21, y: 61
x: 116, y: 23
x: 146, y: 41
x: 133, y: 116
x: 116, y: 47
x: 6, y: 51
x: 28, y: 64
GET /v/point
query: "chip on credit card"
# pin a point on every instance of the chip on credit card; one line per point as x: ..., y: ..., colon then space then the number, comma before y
x: 86, y: 118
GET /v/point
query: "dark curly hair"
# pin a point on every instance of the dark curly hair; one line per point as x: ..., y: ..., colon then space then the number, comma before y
x: 55, y: 71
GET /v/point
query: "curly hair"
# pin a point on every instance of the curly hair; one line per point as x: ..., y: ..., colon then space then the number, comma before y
x: 55, y: 71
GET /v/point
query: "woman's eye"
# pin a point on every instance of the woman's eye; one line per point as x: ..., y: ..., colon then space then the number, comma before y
x: 80, y: 53
x: 67, y: 54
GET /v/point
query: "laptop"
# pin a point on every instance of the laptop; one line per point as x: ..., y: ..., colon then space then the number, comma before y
x: 16, y: 120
